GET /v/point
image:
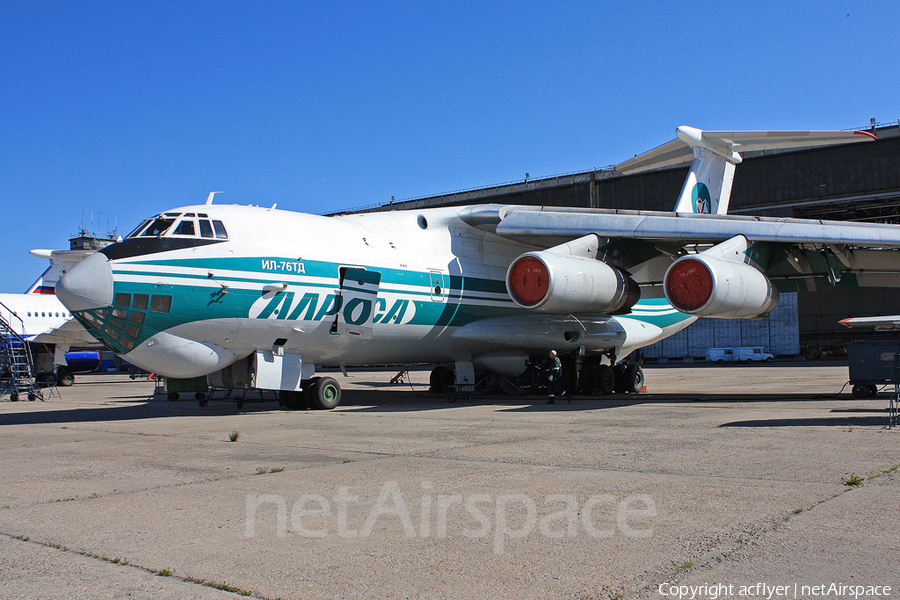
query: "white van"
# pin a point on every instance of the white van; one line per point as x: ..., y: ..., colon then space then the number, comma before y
x: 720, y: 355
x: 754, y: 354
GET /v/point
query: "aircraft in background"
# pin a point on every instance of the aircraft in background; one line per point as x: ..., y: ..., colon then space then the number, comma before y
x: 40, y: 319
x: 256, y: 297
x: 885, y: 323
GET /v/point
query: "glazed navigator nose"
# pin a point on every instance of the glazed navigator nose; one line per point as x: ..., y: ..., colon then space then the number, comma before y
x: 87, y: 285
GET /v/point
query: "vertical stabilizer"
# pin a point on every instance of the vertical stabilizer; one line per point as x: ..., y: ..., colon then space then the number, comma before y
x: 60, y: 262
x: 707, y: 187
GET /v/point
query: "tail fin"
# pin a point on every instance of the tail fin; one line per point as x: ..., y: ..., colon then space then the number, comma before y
x: 707, y: 187
x: 60, y: 262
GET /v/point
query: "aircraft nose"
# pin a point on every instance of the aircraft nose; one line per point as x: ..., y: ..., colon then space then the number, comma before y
x: 87, y: 285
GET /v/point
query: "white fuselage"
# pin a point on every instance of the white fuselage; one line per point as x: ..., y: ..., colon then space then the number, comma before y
x: 383, y: 288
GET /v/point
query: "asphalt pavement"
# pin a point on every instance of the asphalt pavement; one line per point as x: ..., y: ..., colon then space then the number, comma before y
x: 752, y: 481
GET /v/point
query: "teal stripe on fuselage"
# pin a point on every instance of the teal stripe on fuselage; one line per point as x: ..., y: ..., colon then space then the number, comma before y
x: 195, y: 299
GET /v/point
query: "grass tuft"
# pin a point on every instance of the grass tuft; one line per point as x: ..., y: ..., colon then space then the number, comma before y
x: 853, y: 481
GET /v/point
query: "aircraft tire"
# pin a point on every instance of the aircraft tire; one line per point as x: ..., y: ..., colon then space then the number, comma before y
x: 292, y: 400
x: 325, y: 393
x: 605, y: 379
x: 441, y: 377
x: 584, y: 379
x: 66, y: 379
x: 621, y: 379
x: 634, y: 379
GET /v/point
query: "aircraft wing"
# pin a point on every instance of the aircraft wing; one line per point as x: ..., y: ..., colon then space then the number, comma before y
x: 69, y: 333
x: 796, y: 254
x: 684, y: 228
x: 689, y: 228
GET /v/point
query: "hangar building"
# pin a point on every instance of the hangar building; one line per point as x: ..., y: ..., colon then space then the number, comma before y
x: 855, y: 182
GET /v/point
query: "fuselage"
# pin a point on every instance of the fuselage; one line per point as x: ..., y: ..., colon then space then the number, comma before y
x: 40, y: 317
x: 199, y: 287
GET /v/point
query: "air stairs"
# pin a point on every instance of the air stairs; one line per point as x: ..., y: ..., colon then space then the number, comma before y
x: 16, y: 363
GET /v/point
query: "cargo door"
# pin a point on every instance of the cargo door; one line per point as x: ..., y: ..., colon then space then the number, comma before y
x: 359, y: 289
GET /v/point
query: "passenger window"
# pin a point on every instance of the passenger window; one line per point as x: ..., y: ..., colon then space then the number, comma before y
x: 185, y: 228
x: 205, y: 229
x: 220, y: 230
x: 161, y: 303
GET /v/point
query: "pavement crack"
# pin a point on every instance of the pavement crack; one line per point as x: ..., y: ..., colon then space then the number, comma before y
x: 123, y: 562
x: 748, y: 537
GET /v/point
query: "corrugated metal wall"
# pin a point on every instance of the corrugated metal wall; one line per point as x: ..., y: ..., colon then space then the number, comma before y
x: 779, y: 334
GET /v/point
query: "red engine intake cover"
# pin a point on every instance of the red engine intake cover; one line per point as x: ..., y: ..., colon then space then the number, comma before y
x: 529, y: 281
x: 689, y: 284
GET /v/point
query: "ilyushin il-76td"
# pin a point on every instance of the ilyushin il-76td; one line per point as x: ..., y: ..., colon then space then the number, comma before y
x: 256, y: 297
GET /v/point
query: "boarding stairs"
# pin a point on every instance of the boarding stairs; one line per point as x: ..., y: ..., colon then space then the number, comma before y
x: 16, y: 363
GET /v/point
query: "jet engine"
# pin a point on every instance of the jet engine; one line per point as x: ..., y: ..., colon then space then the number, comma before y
x: 708, y: 286
x: 550, y: 282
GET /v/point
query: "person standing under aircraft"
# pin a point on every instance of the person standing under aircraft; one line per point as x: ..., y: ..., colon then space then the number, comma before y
x: 553, y: 370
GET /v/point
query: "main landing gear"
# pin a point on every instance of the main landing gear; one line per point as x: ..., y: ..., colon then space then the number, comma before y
x: 589, y: 377
x: 602, y: 379
x: 319, y: 393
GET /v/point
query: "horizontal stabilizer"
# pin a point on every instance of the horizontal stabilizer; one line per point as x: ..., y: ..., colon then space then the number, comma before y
x: 680, y: 150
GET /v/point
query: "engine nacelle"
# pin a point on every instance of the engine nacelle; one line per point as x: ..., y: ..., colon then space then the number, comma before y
x: 549, y: 282
x: 711, y: 287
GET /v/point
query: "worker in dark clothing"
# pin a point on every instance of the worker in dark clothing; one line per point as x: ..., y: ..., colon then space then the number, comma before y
x: 553, y: 370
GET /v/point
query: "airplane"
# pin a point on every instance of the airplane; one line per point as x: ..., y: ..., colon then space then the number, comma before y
x: 880, y: 323
x: 256, y: 297
x: 40, y: 319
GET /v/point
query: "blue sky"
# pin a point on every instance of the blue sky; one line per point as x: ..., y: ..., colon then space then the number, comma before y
x: 113, y: 111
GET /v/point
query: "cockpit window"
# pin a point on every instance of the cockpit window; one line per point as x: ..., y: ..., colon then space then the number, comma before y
x: 186, y: 227
x: 158, y: 227
x: 205, y: 229
x: 137, y: 229
x: 220, y: 230
x: 196, y: 225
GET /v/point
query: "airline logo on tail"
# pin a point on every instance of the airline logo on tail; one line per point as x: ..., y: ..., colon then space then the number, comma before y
x: 700, y: 199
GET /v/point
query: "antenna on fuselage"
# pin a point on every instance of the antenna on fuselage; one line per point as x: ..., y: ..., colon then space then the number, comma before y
x: 209, y: 199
